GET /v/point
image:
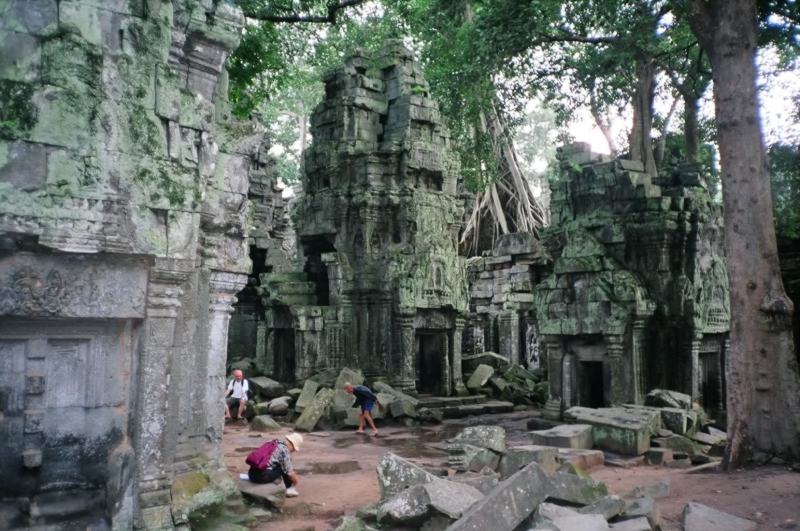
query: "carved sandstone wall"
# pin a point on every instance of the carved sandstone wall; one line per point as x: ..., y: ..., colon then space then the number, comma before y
x: 123, y: 240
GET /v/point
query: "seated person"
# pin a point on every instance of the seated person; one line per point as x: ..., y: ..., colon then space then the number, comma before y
x: 280, y: 465
x: 236, y: 395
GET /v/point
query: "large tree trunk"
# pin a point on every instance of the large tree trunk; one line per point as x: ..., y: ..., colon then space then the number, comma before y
x: 763, y: 384
x: 691, y: 125
x: 640, y: 141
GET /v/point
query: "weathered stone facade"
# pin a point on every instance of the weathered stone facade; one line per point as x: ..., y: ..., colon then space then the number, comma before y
x: 502, y: 317
x: 638, y: 297
x: 124, y: 230
x: 381, y: 287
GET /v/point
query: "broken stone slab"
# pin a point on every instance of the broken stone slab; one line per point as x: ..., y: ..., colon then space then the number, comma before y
x: 666, y: 398
x: 508, y: 504
x: 400, y: 407
x: 656, y: 490
x: 581, y: 522
x: 644, y: 506
x: 675, y: 420
x: 483, y: 483
x: 466, y: 457
x: 697, y: 517
x: 608, y: 507
x: 382, y: 410
x: 491, y: 437
x: 718, y: 434
x: 585, y: 459
x: 430, y: 414
x: 437, y: 523
x: 572, y: 488
x: 348, y: 375
x: 416, y: 504
x: 368, y: 513
x: 658, y: 456
x: 268, y: 495
x: 565, y: 436
x: 294, y: 394
x: 634, y: 524
x: 705, y: 438
x: 382, y: 387
x: 480, y: 377
x: 264, y: 424
x: 279, y: 406
x: 619, y: 430
x: 311, y: 414
x: 520, y: 456
x: 265, y: 387
x: 351, y: 523
x: 306, y: 397
x: 396, y: 474
x: 570, y: 468
x: 342, y: 401
x: 470, y: 363
x: 677, y: 443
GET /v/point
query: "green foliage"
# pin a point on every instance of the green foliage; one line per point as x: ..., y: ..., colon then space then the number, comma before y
x: 17, y: 111
x: 784, y: 168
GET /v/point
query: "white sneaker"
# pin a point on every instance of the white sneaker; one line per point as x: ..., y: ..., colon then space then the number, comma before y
x: 291, y: 492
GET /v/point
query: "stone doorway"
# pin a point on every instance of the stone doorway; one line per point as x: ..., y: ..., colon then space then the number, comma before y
x: 284, y: 355
x: 710, y: 393
x: 430, y: 353
x: 591, y: 392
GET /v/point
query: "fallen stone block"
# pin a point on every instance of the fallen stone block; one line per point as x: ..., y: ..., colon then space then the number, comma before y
x: 551, y: 511
x: 585, y: 459
x: 508, y: 504
x: 294, y: 394
x: 541, y: 424
x: 480, y: 377
x: 521, y: 456
x: 306, y: 395
x: 705, y: 438
x: 368, y: 513
x: 311, y: 414
x: 666, y: 398
x: 470, y: 363
x: 381, y: 387
x: 675, y: 420
x: 697, y: 517
x: 491, y: 437
x: 608, y: 507
x: 415, y: 505
x: 348, y: 375
x: 279, y: 406
x: 430, y: 415
x: 265, y: 387
x: 581, y: 522
x: 656, y: 490
x: 677, y: 443
x: 571, y: 468
x: 620, y: 430
x: 351, y: 523
x: 264, y: 424
x: 634, y: 524
x: 268, y: 495
x: 645, y: 506
x: 395, y: 474
x: 565, y: 436
x: 437, y: 523
x: 572, y: 488
x: 466, y: 457
x: 400, y: 408
x: 658, y: 456
x: 483, y: 483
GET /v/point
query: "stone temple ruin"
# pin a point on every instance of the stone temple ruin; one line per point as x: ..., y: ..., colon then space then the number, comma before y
x: 134, y: 211
x: 380, y: 285
x: 638, y: 295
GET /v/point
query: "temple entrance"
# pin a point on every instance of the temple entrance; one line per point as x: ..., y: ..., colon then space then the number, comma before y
x: 315, y: 269
x: 590, y: 384
x: 710, y: 368
x: 284, y: 354
x: 430, y: 351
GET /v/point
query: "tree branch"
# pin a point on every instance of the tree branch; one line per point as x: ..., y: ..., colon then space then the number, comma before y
x: 266, y: 14
x: 569, y: 37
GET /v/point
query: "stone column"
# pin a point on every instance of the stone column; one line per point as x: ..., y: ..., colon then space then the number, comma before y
x: 265, y: 356
x: 532, y: 352
x: 403, y: 358
x: 569, y: 393
x: 459, y: 388
x: 446, y: 377
x: 616, y: 390
x: 163, y: 304
x: 223, y: 288
x: 555, y: 353
x: 639, y: 362
x: 508, y: 330
x: 692, y: 366
x: 489, y: 336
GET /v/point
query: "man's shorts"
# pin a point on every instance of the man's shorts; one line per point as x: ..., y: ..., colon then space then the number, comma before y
x: 232, y: 402
x: 367, y: 405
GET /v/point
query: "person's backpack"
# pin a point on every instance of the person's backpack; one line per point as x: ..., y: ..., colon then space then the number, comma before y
x: 259, y: 458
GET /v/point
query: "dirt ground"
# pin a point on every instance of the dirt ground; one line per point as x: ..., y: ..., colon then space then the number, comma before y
x: 337, y: 475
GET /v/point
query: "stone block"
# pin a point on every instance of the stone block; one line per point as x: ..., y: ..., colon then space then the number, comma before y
x: 396, y: 474
x: 678, y: 443
x: 264, y: 423
x: 618, y: 430
x: 306, y: 397
x: 551, y: 511
x: 381, y: 387
x: 466, y: 457
x: 656, y: 491
x: 351, y: 523
x: 470, y: 363
x: 484, y: 483
x: 634, y: 524
x: 697, y: 517
x: 491, y: 437
x: 608, y: 507
x: 480, y: 377
x: 518, y: 457
x: 665, y: 398
x: 581, y: 522
x: 572, y: 488
x: 658, y: 456
x: 675, y: 420
x: 565, y: 436
x: 413, y: 506
x: 508, y: 504
x: 267, y: 495
x: 348, y: 375
x: 645, y: 506
x: 279, y: 406
x: 265, y: 387
x: 585, y: 459
x: 401, y: 407
x: 311, y: 415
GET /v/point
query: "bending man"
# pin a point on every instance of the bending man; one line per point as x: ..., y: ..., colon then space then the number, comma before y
x: 280, y: 465
x: 365, y: 399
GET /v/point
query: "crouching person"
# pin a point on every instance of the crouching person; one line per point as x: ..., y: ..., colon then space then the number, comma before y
x: 273, y: 460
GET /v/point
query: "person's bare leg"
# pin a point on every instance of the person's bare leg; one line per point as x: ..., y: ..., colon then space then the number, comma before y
x: 227, y: 411
x: 368, y: 416
x: 242, y: 407
x: 360, y: 422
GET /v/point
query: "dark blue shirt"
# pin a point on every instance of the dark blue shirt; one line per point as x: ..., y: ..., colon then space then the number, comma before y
x: 363, y: 394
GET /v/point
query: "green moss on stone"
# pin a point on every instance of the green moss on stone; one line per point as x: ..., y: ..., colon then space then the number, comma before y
x: 17, y: 111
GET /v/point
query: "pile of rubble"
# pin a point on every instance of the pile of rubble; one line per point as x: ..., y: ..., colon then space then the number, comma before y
x: 494, y: 376
x: 526, y: 488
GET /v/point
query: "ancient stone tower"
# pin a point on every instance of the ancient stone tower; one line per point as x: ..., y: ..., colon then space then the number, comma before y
x: 382, y: 287
x: 638, y: 296
x: 123, y: 239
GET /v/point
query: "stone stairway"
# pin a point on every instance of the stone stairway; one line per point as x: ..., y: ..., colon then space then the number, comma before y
x: 458, y: 407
